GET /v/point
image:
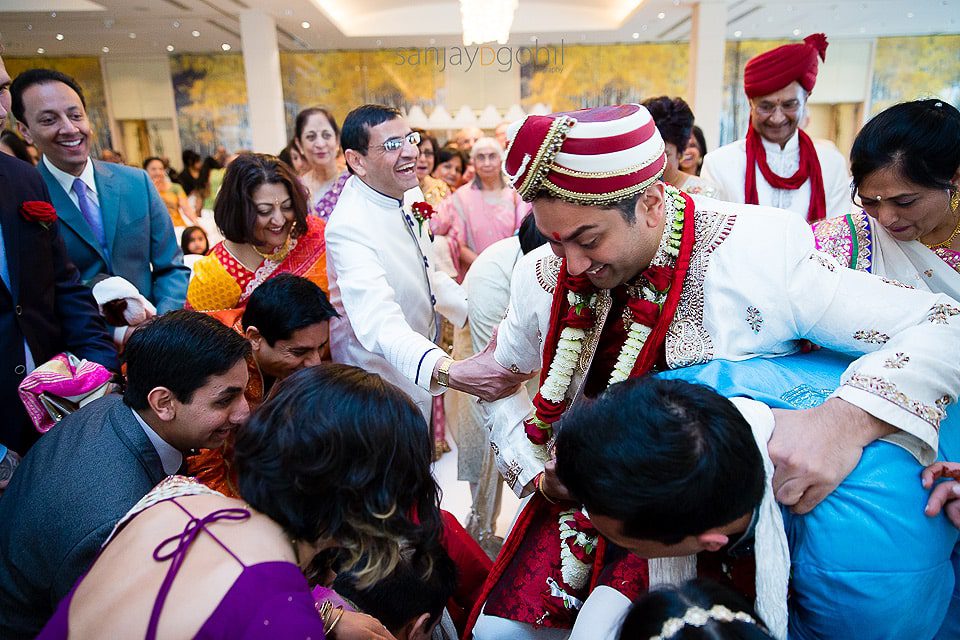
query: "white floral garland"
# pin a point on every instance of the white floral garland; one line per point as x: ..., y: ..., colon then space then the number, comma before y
x: 575, y: 572
x: 570, y: 344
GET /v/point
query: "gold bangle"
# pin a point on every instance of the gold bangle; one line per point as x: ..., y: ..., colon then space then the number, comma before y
x: 328, y: 630
x: 538, y: 485
x: 443, y: 373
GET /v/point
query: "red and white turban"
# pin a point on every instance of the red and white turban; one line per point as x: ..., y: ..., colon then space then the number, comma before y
x: 773, y: 70
x: 590, y: 157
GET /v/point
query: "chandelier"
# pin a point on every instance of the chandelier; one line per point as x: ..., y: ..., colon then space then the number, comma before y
x: 487, y: 20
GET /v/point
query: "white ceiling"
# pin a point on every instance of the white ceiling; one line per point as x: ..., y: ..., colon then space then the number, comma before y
x: 145, y: 27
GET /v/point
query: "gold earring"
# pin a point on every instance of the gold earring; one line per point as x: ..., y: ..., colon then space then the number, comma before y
x: 955, y: 200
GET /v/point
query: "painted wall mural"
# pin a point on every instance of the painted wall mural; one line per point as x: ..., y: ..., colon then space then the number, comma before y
x: 581, y: 76
x: 912, y: 68
x: 210, y: 92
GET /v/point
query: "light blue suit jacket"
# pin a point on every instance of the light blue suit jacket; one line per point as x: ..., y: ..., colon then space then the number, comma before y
x: 139, y: 232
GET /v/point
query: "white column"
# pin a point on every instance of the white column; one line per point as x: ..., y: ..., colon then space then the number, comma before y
x: 708, y: 34
x: 261, y: 64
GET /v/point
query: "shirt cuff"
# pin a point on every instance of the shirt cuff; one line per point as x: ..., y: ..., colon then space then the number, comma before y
x: 916, y: 435
x: 427, y: 364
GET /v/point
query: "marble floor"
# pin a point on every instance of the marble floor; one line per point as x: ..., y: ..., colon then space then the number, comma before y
x: 456, y: 493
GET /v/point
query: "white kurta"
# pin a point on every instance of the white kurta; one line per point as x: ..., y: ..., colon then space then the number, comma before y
x: 726, y: 167
x: 755, y: 286
x: 385, y: 286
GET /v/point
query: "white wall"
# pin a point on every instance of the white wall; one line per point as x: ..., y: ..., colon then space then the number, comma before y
x: 141, y: 89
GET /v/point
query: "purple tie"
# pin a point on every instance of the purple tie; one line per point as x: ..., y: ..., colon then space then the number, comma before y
x: 91, y: 213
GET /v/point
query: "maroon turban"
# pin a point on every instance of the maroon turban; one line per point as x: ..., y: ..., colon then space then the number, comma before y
x: 773, y: 70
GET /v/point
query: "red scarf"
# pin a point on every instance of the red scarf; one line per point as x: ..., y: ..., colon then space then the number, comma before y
x: 809, y: 169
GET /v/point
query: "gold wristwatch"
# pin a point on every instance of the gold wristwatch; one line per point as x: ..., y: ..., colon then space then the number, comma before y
x: 443, y: 373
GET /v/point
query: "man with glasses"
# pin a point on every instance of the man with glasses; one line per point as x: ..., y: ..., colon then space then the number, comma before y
x: 778, y: 164
x: 384, y: 281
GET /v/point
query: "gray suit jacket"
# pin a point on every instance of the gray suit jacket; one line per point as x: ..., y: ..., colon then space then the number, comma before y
x: 62, y: 503
x: 139, y: 232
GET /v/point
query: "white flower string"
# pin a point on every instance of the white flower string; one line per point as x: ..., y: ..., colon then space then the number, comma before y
x: 571, y: 342
x: 575, y: 572
x: 637, y: 333
x: 699, y: 617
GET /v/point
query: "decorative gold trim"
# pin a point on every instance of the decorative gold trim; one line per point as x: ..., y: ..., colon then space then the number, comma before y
x: 889, y: 391
x: 593, y: 199
x: 608, y: 174
x: 548, y: 150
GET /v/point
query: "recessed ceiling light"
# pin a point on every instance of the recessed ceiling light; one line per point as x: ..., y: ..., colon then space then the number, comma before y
x: 643, y: 27
x: 288, y: 12
x: 195, y: 33
x: 170, y: 48
x: 108, y: 23
x: 305, y: 24
x: 635, y: 35
x: 132, y: 35
x: 225, y: 46
x: 661, y: 15
x: 796, y: 32
x: 737, y: 34
x: 59, y: 36
x: 29, y: 27
x: 433, y: 41
x: 105, y: 49
x: 533, y: 38
x: 176, y: 24
x: 910, y: 14
x: 41, y: 50
x: 379, y: 43
x: 53, y: 14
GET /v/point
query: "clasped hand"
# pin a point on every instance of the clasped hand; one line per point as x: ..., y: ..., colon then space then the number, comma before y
x: 814, y: 450
x: 481, y: 375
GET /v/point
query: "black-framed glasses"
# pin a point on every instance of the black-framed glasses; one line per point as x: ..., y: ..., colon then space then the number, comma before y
x: 395, y: 144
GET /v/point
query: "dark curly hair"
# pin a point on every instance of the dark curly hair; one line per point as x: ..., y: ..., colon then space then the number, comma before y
x: 674, y: 120
x: 234, y: 211
x: 340, y: 455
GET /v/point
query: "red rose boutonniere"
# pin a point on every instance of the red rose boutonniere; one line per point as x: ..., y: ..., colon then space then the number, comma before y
x: 422, y: 211
x: 39, y: 211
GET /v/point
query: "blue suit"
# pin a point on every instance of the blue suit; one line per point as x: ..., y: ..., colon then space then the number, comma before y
x: 866, y: 563
x: 139, y: 234
x: 41, y: 300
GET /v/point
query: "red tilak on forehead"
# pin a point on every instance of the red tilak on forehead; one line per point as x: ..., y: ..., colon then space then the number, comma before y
x: 556, y: 236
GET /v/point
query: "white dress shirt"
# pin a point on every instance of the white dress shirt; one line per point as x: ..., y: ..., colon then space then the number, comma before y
x: 65, y: 180
x: 170, y: 457
x: 726, y: 167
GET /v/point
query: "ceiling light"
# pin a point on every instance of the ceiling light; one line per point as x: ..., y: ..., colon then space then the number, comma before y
x: 796, y: 32
x: 170, y: 48
x: 53, y: 14
x: 737, y: 34
x: 288, y: 12
x: 41, y: 50
x: 487, y: 20
x: 643, y: 27
x: 29, y: 27
x: 195, y: 33
x: 132, y: 35
x: 433, y: 41
x: 225, y: 46
x: 661, y: 15
x: 635, y: 35
x: 59, y: 36
x: 105, y: 49
x: 176, y: 24
x: 108, y: 23
x: 305, y: 24
x: 910, y: 14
